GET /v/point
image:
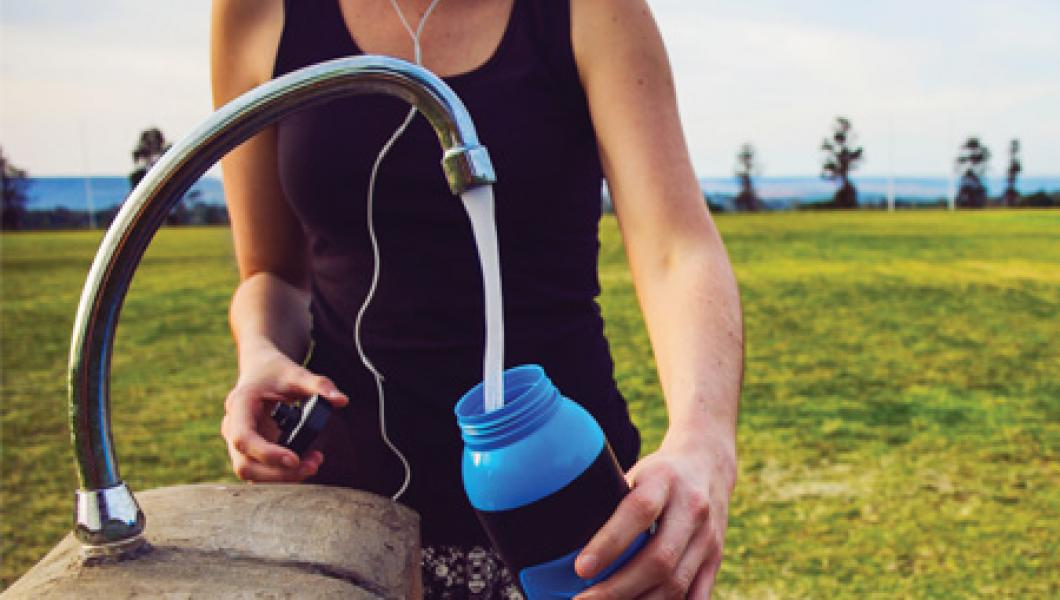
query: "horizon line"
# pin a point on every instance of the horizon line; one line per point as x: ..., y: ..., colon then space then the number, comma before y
x: 698, y: 175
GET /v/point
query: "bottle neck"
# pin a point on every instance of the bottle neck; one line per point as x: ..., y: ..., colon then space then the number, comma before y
x: 530, y: 399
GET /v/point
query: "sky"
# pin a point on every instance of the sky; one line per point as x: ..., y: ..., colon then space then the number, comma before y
x: 80, y: 80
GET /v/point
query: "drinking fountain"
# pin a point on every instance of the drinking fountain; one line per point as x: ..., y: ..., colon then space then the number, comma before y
x: 109, y: 522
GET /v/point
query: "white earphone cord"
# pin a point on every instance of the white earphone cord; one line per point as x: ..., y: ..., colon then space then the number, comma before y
x: 415, y: 35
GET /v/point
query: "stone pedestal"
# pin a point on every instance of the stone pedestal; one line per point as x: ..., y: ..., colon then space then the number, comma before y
x: 249, y: 541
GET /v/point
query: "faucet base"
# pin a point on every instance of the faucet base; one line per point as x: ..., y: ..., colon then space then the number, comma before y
x: 109, y: 522
x: 105, y: 554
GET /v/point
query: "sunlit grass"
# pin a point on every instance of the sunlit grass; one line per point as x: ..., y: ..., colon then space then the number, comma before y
x: 900, y: 421
x: 172, y: 369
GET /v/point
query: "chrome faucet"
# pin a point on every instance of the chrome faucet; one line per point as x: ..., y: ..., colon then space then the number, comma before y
x: 108, y: 520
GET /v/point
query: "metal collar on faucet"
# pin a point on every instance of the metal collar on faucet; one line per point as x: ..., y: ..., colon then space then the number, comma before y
x: 108, y: 519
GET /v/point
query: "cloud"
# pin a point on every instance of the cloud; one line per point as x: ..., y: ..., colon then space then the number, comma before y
x: 914, y: 79
x: 102, y: 75
x: 914, y: 76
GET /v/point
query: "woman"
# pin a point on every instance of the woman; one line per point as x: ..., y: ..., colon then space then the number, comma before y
x: 561, y: 93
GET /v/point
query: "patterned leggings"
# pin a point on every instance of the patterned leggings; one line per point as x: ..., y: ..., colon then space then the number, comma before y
x: 455, y: 573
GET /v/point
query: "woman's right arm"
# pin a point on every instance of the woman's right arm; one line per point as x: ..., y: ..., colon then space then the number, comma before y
x: 269, y: 313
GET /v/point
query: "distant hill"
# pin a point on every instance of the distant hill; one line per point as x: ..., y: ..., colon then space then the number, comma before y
x: 781, y: 192
x: 47, y: 193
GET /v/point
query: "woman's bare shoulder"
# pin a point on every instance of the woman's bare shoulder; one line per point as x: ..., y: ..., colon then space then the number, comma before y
x: 598, y: 26
x: 244, y: 36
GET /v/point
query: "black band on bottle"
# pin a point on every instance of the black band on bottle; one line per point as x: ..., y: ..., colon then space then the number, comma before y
x: 562, y: 522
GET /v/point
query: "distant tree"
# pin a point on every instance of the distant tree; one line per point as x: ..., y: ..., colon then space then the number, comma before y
x: 13, y: 183
x: 148, y: 150
x: 972, y: 162
x: 1012, y: 197
x: 746, y: 168
x: 841, y: 156
x: 1041, y: 199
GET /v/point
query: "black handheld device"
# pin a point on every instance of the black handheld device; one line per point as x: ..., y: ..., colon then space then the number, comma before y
x: 301, y: 423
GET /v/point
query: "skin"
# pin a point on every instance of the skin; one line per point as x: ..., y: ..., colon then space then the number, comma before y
x: 684, y: 281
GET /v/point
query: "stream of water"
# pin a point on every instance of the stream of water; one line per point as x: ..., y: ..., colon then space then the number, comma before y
x: 478, y: 202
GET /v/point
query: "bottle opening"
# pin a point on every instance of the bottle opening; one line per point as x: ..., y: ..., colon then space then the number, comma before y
x: 529, y: 398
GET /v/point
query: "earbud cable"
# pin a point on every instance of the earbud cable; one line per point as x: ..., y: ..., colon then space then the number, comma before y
x: 377, y: 263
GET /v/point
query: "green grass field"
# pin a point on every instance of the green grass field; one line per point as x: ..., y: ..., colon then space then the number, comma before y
x: 899, y: 429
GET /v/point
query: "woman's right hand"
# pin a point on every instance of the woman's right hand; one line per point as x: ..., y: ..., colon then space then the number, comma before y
x: 248, y: 427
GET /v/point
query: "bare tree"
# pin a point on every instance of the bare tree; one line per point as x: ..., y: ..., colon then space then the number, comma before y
x: 13, y: 184
x: 841, y: 155
x: 972, y: 162
x: 1012, y: 197
x: 746, y: 168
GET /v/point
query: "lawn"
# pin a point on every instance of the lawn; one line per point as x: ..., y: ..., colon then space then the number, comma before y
x: 899, y: 429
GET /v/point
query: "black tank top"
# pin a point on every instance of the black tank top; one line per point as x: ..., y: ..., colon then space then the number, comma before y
x: 425, y: 327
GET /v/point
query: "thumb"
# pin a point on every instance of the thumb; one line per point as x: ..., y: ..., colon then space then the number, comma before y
x: 305, y: 383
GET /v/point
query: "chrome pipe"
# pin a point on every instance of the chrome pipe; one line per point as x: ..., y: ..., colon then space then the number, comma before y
x: 108, y: 517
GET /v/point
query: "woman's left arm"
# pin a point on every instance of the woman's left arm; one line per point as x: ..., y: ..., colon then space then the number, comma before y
x: 691, y: 306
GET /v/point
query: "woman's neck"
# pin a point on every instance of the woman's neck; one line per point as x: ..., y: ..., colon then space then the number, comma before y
x: 460, y: 36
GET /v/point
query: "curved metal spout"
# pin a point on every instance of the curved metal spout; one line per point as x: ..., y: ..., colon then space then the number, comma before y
x: 108, y: 519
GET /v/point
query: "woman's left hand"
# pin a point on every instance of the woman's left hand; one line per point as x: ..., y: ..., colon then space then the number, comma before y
x: 684, y: 488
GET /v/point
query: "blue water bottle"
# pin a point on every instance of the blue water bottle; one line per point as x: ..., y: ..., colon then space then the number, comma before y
x: 542, y: 479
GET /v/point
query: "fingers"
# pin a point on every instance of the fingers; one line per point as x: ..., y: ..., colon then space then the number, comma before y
x: 249, y: 470
x: 679, y: 555
x: 634, y: 515
x: 703, y: 584
x: 248, y: 427
x: 253, y: 458
x: 301, y: 383
x: 663, y: 568
x: 694, y: 576
x: 248, y: 442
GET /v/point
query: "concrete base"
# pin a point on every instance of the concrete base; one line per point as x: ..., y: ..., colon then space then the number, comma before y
x: 249, y: 541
